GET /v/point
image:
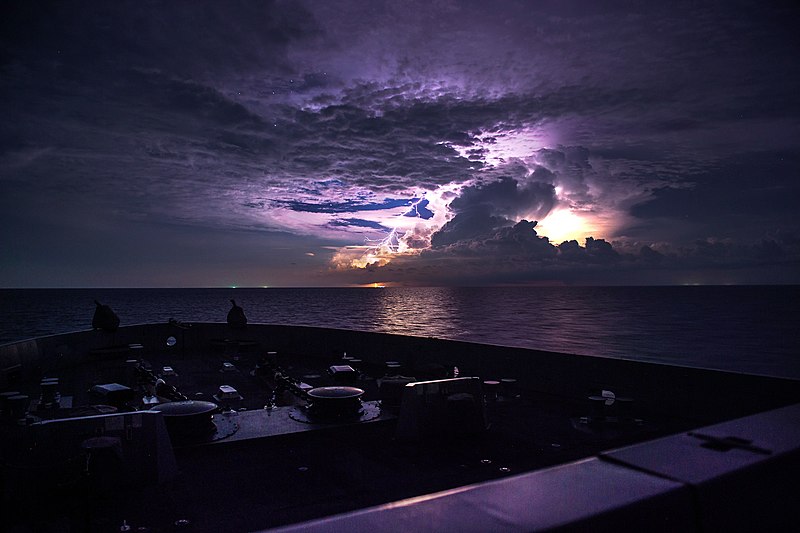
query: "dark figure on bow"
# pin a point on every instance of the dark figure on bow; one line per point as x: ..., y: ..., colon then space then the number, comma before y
x: 104, y: 318
x: 236, y: 317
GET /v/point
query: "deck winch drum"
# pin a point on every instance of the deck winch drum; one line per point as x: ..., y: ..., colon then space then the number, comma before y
x: 188, y: 418
x: 335, y: 402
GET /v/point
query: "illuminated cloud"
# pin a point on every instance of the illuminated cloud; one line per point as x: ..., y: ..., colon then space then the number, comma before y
x: 409, y: 140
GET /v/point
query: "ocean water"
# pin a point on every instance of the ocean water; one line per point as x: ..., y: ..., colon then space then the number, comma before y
x: 749, y: 329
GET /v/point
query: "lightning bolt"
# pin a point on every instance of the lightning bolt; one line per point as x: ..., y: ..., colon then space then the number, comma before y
x: 381, y: 251
x: 391, y: 243
x: 387, y: 244
x: 415, y: 206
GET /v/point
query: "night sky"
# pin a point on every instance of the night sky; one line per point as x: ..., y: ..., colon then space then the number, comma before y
x: 155, y: 143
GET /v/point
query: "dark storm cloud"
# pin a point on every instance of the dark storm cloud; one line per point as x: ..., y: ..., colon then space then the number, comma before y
x: 184, y: 38
x: 401, y: 144
x: 383, y: 139
x: 508, y: 198
x: 383, y: 151
x: 457, y: 117
x: 482, y: 209
x: 467, y: 225
x: 747, y: 196
x: 117, y: 106
x: 751, y: 184
x: 675, y: 125
x: 518, y: 255
x: 519, y: 240
x: 205, y: 103
x: 509, y: 254
x: 358, y: 223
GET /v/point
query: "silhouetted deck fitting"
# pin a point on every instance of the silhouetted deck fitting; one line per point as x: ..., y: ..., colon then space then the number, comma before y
x: 5, y: 409
x: 597, y: 408
x: 335, y: 402
x: 343, y: 373
x: 18, y: 406
x: 490, y: 389
x: 508, y: 387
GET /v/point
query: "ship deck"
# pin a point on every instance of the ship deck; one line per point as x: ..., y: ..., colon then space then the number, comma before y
x: 276, y: 469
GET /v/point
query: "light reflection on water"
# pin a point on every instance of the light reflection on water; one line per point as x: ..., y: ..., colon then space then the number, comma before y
x: 749, y: 329
x: 421, y: 312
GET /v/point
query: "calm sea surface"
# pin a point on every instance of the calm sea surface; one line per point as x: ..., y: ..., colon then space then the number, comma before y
x: 750, y: 329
